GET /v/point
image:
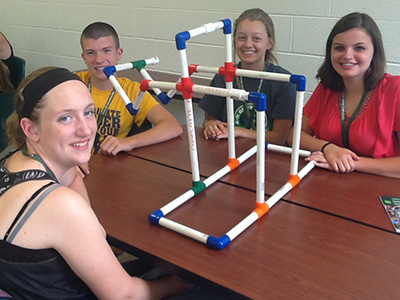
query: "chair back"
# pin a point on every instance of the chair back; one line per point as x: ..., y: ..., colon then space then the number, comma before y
x: 145, y: 126
x: 6, y: 109
x: 17, y: 70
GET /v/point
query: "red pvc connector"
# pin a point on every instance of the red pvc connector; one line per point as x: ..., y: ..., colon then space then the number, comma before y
x: 186, y: 88
x: 192, y: 69
x: 228, y: 71
x: 144, y: 86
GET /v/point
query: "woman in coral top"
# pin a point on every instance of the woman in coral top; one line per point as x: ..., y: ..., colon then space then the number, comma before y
x: 352, y: 120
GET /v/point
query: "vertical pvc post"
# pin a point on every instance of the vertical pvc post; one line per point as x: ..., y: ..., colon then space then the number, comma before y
x: 300, y: 87
x: 229, y: 85
x: 181, y: 46
x: 260, y: 103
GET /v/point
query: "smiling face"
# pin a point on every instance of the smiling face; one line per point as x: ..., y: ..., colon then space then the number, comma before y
x: 251, y: 43
x: 100, y: 53
x: 67, y: 126
x: 351, y: 54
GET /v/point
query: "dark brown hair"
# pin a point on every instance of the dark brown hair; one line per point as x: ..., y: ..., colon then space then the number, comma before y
x: 327, y: 74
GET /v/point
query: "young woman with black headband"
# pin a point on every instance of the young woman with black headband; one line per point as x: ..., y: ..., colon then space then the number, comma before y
x: 48, y: 231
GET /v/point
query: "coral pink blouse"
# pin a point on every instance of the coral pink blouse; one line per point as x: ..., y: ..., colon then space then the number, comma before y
x: 372, y: 132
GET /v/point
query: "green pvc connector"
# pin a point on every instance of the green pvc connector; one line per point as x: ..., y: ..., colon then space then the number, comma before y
x: 140, y: 64
x: 198, y: 187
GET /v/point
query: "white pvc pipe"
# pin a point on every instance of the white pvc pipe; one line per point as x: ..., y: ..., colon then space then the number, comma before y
x: 166, y: 209
x: 260, y: 156
x: 119, y: 89
x: 182, y: 229
x: 263, y: 75
x: 191, y: 131
x: 147, y: 76
x: 247, y: 154
x: 243, y: 225
x: 184, y: 64
x: 152, y: 61
x: 138, y: 100
x: 206, y: 28
x: 122, y: 67
x: 287, y: 150
x: 205, y: 69
x: 228, y: 48
x: 306, y: 169
x: 233, y: 93
x: 294, y: 164
x: 217, y: 175
x: 231, y: 123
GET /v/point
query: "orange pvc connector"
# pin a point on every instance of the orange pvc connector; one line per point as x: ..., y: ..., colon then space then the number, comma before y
x: 233, y: 163
x: 294, y: 179
x: 261, y: 209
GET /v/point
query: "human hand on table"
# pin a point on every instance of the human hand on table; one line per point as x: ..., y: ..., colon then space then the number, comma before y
x: 215, y: 130
x: 334, y: 158
x: 113, y: 145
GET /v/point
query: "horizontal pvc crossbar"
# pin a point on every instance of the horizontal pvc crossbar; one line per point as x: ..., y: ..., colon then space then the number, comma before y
x: 263, y: 75
x: 203, y: 89
x: 110, y: 70
x: 285, y: 149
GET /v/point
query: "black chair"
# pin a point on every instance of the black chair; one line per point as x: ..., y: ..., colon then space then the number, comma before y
x: 6, y: 108
x: 17, y: 70
x: 146, y: 125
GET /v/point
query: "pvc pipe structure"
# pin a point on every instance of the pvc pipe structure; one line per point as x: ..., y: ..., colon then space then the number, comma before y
x: 188, y: 88
x: 140, y: 65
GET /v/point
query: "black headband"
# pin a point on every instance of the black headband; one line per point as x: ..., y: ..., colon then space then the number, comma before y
x: 42, y: 84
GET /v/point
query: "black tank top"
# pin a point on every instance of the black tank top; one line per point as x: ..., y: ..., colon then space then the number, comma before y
x: 31, y: 273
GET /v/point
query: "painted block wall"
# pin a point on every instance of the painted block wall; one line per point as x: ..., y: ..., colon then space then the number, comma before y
x: 46, y: 32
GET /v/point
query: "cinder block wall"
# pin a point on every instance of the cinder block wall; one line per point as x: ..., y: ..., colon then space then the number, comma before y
x: 46, y: 32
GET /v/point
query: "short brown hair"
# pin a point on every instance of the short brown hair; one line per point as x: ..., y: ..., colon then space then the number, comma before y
x: 97, y: 30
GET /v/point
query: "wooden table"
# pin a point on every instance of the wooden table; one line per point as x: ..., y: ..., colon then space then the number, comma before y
x: 293, y: 252
x: 352, y: 196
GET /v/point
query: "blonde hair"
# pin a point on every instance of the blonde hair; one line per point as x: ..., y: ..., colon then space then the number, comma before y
x: 257, y: 14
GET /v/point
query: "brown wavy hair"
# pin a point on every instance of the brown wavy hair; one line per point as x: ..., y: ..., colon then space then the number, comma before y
x: 15, y: 134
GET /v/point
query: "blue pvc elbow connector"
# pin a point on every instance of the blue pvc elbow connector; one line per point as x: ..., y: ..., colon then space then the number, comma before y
x: 227, y: 26
x: 156, y: 216
x: 131, y: 110
x: 110, y: 70
x: 259, y: 99
x: 300, y: 82
x: 218, y: 243
x: 180, y: 40
x: 164, y: 98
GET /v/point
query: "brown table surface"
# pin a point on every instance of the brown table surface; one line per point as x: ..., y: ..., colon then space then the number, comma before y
x: 353, y: 196
x: 293, y: 252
